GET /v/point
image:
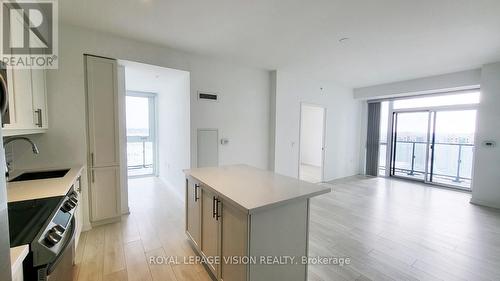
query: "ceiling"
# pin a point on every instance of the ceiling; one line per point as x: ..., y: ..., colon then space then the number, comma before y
x: 389, y: 40
x: 150, y: 78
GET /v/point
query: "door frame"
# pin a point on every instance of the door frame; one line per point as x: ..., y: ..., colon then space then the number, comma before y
x: 323, y: 139
x: 431, y: 130
x: 153, y: 128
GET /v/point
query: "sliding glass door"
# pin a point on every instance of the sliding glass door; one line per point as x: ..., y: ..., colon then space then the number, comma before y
x: 434, y: 146
x: 141, y: 140
x: 453, y: 147
x: 410, y: 144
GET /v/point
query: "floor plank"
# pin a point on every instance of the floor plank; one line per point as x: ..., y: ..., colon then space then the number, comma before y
x: 390, y: 229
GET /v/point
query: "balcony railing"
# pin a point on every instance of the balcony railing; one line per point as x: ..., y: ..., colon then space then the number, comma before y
x: 140, y: 156
x: 452, y: 161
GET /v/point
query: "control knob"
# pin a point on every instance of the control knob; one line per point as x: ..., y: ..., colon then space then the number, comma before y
x: 52, y: 238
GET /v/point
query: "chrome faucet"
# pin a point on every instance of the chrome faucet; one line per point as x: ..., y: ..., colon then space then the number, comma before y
x: 34, y: 148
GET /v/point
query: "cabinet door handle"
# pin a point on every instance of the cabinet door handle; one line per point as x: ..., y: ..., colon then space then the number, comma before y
x: 93, y: 176
x: 39, y: 117
x: 196, y: 186
x: 92, y: 159
x: 79, y: 189
x: 213, y: 207
x: 217, y: 214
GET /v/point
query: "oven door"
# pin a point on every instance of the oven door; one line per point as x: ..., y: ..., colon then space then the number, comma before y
x: 62, y: 267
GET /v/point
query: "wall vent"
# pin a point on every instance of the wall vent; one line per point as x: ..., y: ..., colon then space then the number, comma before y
x: 208, y: 96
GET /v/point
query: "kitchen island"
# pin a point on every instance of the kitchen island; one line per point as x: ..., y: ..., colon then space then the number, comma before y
x: 249, y: 224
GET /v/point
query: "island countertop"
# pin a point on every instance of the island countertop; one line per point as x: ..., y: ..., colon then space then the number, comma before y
x: 254, y: 189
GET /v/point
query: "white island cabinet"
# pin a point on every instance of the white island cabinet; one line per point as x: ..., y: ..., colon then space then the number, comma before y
x: 249, y: 224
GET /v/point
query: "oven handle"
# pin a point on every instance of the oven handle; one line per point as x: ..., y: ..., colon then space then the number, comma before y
x: 51, y: 266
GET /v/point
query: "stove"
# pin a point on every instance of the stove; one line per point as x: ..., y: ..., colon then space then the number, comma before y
x: 26, y: 218
x: 47, y: 226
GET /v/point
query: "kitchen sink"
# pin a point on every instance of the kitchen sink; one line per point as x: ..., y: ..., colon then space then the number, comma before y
x: 40, y: 175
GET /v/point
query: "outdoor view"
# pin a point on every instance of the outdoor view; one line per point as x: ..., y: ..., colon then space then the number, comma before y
x: 448, y: 148
x: 139, y: 139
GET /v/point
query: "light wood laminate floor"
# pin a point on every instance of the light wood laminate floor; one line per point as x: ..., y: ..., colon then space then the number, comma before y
x: 390, y: 229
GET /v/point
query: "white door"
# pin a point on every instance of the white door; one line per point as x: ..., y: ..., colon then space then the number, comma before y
x: 208, y: 148
x: 311, y: 149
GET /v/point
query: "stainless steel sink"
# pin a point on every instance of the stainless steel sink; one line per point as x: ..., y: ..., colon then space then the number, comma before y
x: 40, y: 175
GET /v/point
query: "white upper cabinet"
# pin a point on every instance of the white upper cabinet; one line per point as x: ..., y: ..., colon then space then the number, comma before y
x: 27, y: 100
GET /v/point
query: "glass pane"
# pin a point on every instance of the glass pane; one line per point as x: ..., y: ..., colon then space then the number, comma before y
x: 140, y: 158
x: 456, y: 99
x: 140, y: 147
x: 411, y: 145
x: 137, y: 116
x: 454, y: 146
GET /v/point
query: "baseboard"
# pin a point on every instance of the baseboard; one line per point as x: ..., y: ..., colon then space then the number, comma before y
x: 484, y: 203
x: 86, y: 227
x: 106, y: 221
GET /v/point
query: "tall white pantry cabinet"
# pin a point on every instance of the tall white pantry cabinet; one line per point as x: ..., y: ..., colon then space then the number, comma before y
x: 103, y: 139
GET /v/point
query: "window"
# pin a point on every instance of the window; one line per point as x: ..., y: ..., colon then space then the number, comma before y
x: 438, y: 100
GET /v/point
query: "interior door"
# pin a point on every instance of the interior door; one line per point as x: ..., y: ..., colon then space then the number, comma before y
x: 208, y: 148
x: 410, y: 144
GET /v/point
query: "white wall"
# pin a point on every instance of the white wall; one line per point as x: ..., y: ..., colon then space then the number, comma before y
x: 486, y: 179
x: 171, y: 87
x: 446, y: 82
x: 342, y: 123
x: 242, y: 116
x: 311, y: 135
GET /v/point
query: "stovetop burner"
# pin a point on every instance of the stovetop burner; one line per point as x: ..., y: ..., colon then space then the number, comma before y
x: 26, y: 218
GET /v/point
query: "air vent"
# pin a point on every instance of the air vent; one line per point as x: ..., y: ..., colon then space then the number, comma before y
x: 208, y: 96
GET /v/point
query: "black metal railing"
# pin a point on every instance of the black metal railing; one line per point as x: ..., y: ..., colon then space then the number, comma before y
x: 456, y: 177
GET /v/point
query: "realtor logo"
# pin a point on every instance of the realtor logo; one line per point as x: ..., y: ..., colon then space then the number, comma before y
x: 29, y: 33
